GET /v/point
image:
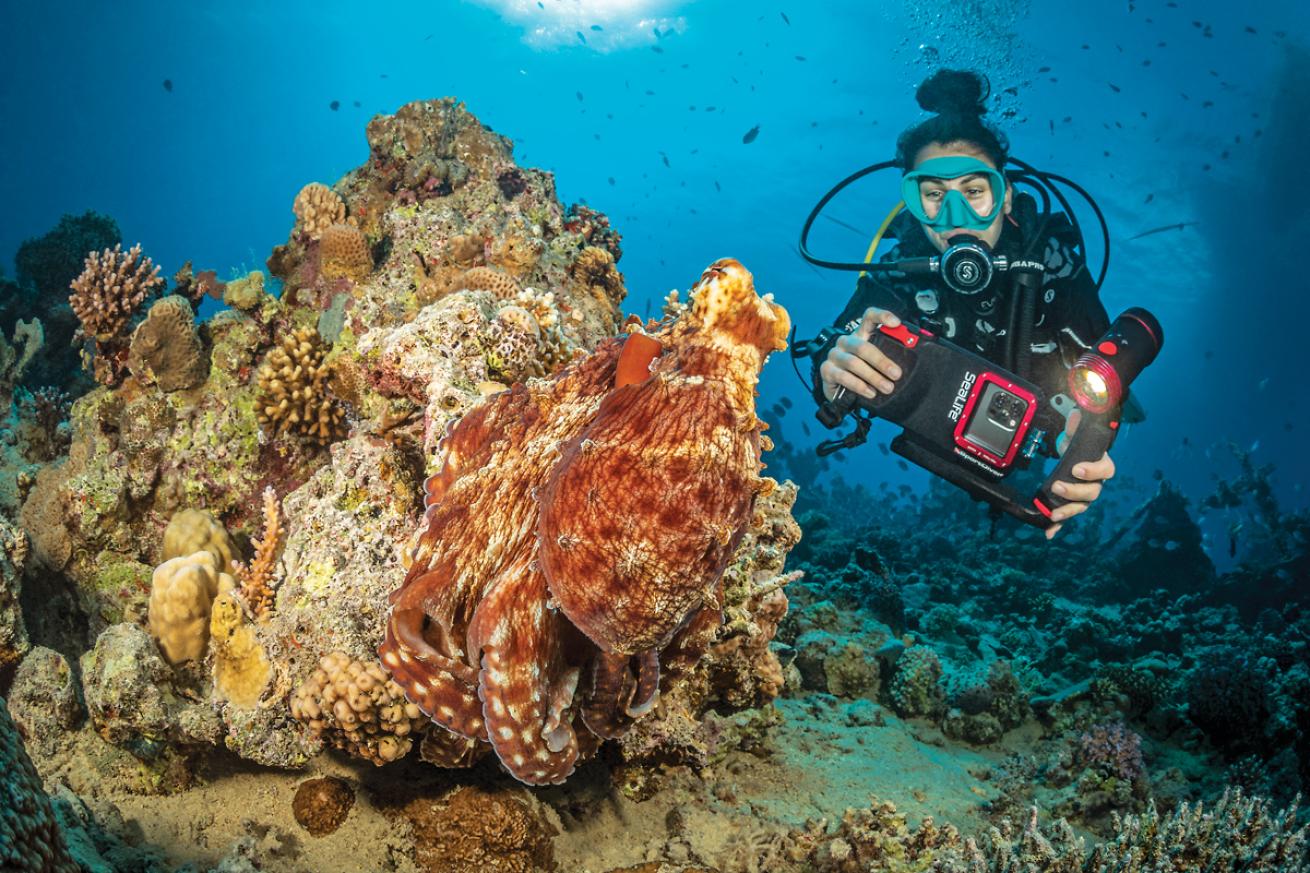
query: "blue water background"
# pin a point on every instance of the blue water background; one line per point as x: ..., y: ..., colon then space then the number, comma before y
x: 1203, y: 106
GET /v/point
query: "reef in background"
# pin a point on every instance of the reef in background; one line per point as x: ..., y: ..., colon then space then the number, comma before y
x: 196, y: 583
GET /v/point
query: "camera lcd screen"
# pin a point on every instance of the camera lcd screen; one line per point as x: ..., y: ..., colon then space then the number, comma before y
x: 994, y: 423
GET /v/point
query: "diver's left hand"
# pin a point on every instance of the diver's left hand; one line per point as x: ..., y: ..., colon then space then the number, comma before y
x: 1080, y: 494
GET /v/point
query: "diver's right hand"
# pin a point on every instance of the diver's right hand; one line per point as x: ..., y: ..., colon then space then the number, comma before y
x: 858, y: 365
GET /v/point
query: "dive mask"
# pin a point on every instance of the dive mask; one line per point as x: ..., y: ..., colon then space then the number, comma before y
x: 955, y: 212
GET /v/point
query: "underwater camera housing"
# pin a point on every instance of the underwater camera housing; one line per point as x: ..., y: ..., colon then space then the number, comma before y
x: 971, y: 422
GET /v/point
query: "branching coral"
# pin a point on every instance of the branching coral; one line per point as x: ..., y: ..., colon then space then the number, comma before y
x: 357, y: 708
x: 165, y: 348
x: 318, y: 207
x: 256, y: 579
x: 294, y: 396
x: 113, y: 284
x: 344, y: 253
x: 1113, y: 750
x: 111, y: 288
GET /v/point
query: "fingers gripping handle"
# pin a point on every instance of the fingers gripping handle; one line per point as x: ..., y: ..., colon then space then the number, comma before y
x: 1092, y: 440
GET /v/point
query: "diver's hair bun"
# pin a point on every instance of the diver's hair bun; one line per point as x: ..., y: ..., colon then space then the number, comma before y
x: 954, y: 92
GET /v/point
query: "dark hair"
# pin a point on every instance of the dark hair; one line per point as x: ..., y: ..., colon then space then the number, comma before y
x: 959, y: 99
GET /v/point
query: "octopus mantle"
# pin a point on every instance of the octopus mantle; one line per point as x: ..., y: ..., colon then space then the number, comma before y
x: 576, y: 537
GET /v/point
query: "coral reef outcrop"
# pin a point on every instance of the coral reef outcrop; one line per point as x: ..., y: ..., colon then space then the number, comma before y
x: 165, y: 349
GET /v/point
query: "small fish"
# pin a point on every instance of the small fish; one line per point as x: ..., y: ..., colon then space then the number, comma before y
x: 716, y: 185
x: 904, y: 466
x: 1207, y: 104
x: 1043, y: 69
x: 750, y: 135
x: 597, y: 28
x: 582, y: 39
x: 168, y: 85
x: 428, y: 37
x: 1052, y: 125
x: 1149, y: 198
x: 611, y: 180
x: 664, y: 158
x: 1179, y: 226
x: 1171, y: 546
x: 579, y: 93
x: 800, y: 57
x: 882, y: 447
x: 1255, y: 446
x: 355, y: 103
x: 1250, y: 29
x: 778, y: 411
x: 805, y: 429
x: 334, y: 105
x: 1113, y: 87
x: 657, y: 50
x: 785, y: 19
x: 1013, y: 92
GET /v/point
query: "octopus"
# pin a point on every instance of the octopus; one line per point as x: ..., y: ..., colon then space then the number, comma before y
x: 574, y: 539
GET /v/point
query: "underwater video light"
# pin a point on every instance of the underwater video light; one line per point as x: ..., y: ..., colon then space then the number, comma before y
x: 1098, y: 378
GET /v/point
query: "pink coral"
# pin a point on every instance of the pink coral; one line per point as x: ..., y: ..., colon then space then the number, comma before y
x: 1114, y: 750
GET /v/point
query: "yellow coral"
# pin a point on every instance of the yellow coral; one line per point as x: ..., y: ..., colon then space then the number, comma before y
x: 241, y: 668
x: 182, y: 591
x: 488, y: 279
x: 194, y: 530
x: 594, y: 268
x: 317, y: 208
x: 344, y: 253
x: 293, y: 390
x: 245, y: 293
x: 357, y: 708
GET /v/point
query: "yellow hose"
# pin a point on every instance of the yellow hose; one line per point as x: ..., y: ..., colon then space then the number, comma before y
x: 877, y: 237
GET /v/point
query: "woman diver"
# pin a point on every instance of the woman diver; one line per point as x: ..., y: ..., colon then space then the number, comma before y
x: 954, y: 184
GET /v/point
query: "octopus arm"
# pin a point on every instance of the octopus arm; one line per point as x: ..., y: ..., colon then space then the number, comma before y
x: 439, y: 685
x: 644, y: 509
x: 526, y: 683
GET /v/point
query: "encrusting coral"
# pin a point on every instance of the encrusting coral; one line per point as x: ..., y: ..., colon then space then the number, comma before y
x: 165, y: 349
x: 241, y: 667
x: 182, y: 593
x: 256, y: 578
x: 317, y: 208
x: 294, y: 393
x: 476, y: 829
x: 344, y: 254
x: 357, y: 708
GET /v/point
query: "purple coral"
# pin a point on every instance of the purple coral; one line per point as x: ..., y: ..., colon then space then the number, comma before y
x: 1114, y: 750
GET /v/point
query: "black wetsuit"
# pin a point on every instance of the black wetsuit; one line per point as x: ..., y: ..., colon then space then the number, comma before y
x: 1069, y: 314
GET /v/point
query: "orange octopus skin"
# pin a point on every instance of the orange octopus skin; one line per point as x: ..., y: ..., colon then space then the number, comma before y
x: 577, y: 533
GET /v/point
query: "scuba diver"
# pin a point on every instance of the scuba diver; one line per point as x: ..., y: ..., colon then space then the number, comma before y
x: 956, y: 192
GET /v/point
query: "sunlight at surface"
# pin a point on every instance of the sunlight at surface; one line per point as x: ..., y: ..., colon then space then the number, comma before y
x: 602, y: 25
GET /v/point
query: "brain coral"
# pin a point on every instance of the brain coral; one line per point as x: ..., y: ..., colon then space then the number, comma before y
x: 344, y: 253
x: 165, y: 348
x: 317, y: 208
x: 294, y: 396
x: 181, y: 594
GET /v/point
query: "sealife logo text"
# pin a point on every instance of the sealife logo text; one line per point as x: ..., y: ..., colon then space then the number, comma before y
x: 957, y: 405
